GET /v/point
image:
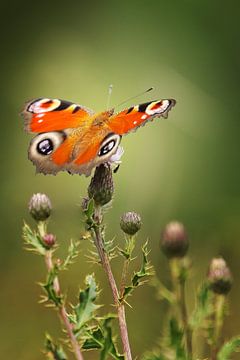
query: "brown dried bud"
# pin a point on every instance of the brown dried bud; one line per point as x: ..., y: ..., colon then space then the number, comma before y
x: 174, y: 240
x: 40, y: 207
x: 130, y: 223
x: 101, y: 187
x: 49, y: 240
x: 219, y: 276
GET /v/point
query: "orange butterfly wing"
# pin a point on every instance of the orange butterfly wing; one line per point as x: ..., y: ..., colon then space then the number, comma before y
x: 130, y: 119
x: 44, y: 115
x: 70, y: 137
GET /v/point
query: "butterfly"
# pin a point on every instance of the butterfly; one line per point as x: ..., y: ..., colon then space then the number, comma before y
x: 71, y: 137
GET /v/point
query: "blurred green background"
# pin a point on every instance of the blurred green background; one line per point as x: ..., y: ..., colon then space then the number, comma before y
x: 184, y: 168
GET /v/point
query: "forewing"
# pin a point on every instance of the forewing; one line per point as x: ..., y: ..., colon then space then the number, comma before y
x: 136, y: 116
x: 44, y: 115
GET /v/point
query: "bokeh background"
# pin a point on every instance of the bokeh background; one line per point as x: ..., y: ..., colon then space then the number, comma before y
x: 184, y: 168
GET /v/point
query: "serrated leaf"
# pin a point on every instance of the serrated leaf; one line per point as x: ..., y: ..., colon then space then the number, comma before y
x: 72, y: 254
x: 49, y: 287
x: 101, y: 338
x: 203, y: 308
x: 109, y: 345
x: 84, y: 311
x: 130, y: 241
x: 229, y: 348
x: 139, y: 276
x: 54, y: 351
x: 93, y: 339
x: 33, y: 240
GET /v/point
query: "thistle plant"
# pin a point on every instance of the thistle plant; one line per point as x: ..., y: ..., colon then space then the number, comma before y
x: 86, y: 327
x: 207, y: 317
x: 82, y: 324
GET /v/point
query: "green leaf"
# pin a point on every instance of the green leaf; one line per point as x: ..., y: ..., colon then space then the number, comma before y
x: 203, y: 308
x: 109, y: 346
x: 72, y: 254
x: 229, y: 348
x: 139, y: 276
x: 89, y: 212
x: 130, y: 241
x: 176, y: 340
x: 153, y: 356
x: 84, y: 311
x: 33, y: 240
x: 93, y: 339
x: 100, y: 337
x: 49, y: 287
x: 162, y: 291
x: 53, y: 351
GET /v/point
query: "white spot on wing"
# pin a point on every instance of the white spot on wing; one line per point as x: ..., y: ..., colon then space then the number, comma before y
x: 144, y: 117
x: 163, y: 107
x: 135, y: 122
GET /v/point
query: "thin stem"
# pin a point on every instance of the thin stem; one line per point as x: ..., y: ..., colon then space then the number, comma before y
x: 219, y: 318
x: 62, y: 312
x: 179, y: 291
x: 130, y: 244
x: 184, y: 316
x: 99, y: 243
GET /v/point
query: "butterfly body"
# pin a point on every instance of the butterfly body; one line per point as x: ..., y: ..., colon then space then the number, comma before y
x: 71, y: 137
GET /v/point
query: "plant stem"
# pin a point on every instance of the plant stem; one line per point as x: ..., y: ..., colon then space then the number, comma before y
x: 179, y: 290
x: 62, y: 312
x: 99, y: 243
x: 219, y: 317
x: 124, y: 277
x: 130, y: 244
x: 184, y: 316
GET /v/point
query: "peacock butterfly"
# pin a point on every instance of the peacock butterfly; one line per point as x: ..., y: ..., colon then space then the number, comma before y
x: 71, y: 137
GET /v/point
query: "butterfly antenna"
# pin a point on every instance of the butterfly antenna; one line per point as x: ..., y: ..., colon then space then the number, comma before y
x: 135, y: 96
x: 110, y: 89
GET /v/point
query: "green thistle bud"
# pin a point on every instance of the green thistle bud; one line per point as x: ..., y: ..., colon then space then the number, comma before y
x: 174, y: 240
x: 219, y: 276
x: 101, y: 187
x: 49, y: 240
x: 40, y: 207
x: 130, y: 223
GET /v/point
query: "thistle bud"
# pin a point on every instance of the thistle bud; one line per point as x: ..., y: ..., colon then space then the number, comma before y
x: 40, y: 207
x: 174, y: 240
x: 130, y: 223
x: 101, y: 186
x: 49, y: 240
x: 219, y: 276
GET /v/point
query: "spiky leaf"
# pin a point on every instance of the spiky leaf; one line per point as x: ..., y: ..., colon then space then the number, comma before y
x: 49, y: 287
x: 89, y: 212
x: 33, y: 240
x: 100, y: 337
x: 139, y: 276
x: 53, y: 351
x: 72, y: 254
x: 229, y: 348
x: 84, y: 310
